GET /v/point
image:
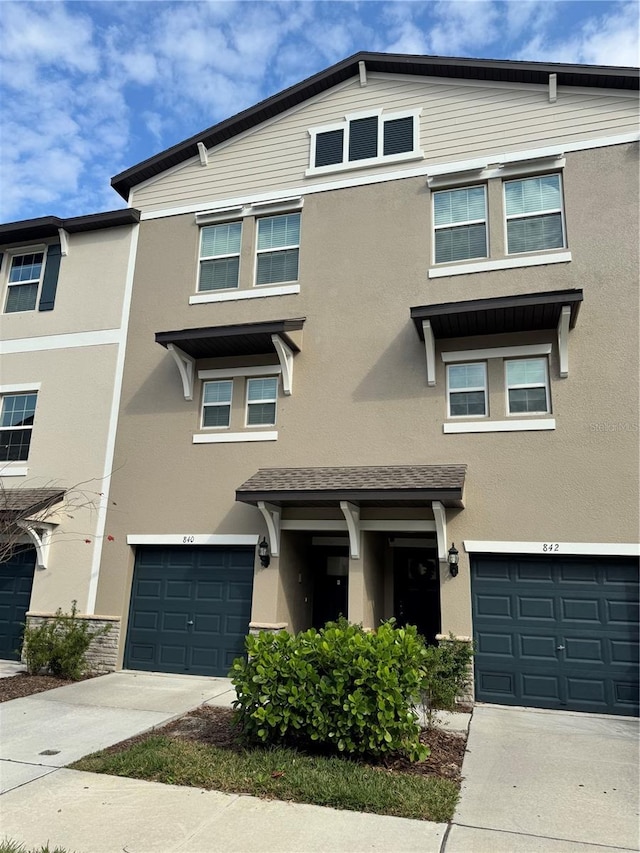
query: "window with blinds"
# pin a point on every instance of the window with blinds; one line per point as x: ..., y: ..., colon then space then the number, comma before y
x: 219, y: 256
x: 278, y: 247
x: 460, y: 224
x: 533, y: 208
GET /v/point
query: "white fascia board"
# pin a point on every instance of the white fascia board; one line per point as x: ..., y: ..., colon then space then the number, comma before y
x: 534, y: 425
x: 549, y: 548
x: 254, y: 370
x: 69, y: 341
x: 229, y: 437
x: 234, y: 295
x: 500, y: 264
x: 382, y: 177
x: 495, y: 352
x: 192, y: 539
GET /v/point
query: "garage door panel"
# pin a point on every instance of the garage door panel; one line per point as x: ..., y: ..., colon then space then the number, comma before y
x: 190, y: 609
x: 16, y: 582
x: 573, y: 647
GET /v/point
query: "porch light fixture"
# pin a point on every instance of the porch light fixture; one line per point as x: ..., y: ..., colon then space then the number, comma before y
x: 263, y: 552
x: 453, y: 559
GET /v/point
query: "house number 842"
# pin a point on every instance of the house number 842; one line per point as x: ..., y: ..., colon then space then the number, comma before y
x: 553, y: 546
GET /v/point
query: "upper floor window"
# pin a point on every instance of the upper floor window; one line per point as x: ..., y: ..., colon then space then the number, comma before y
x: 278, y: 247
x: 25, y: 278
x: 261, y: 401
x: 533, y: 209
x: 363, y: 138
x: 219, y: 256
x: 527, y: 382
x: 467, y: 389
x: 460, y: 224
x: 216, y: 403
x: 16, y: 424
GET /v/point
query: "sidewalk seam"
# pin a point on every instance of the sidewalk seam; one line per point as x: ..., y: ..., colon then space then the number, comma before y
x: 535, y: 835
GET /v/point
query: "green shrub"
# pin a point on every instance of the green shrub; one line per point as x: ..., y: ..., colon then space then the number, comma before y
x: 446, y: 673
x: 60, y: 644
x: 340, y: 687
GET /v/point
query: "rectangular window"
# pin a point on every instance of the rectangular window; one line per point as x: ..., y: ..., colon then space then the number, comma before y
x: 219, y: 256
x: 16, y: 424
x: 527, y: 386
x: 216, y: 403
x: 261, y: 401
x: 534, y: 214
x: 460, y: 223
x: 366, y: 138
x: 25, y: 276
x: 467, y: 389
x: 278, y: 249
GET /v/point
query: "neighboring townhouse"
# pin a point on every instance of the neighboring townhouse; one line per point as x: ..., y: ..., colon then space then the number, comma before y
x: 65, y: 286
x: 382, y: 361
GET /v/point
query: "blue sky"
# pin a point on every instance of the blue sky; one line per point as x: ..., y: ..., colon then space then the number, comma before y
x: 90, y: 89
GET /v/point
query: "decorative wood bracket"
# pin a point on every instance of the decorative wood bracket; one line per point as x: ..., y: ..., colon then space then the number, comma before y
x: 553, y: 88
x: 186, y: 366
x: 362, y: 71
x: 285, y: 356
x: 40, y: 533
x: 440, y: 517
x: 203, y: 154
x: 351, y: 514
x: 64, y: 242
x: 563, y: 340
x: 271, y: 515
x: 430, y: 351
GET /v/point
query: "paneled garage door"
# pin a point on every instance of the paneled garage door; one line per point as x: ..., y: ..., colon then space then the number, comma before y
x: 557, y: 633
x: 190, y: 609
x: 16, y: 581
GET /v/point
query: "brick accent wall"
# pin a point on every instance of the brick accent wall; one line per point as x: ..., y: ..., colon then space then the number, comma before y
x: 103, y: 651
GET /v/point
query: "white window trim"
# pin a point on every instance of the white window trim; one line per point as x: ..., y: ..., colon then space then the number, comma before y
x: 247, y: 403
x: 484, y: 221
x: 500, y: 426
x: 495, y: 352
x: 228, y: 437
x: 220, y: 257
x: 16, y: 252
x: 17, y: 467
x: 509, y: 217
x: 269, y: 370
x: 232, y: 295
x: 484, y: 389
x: 347, y: 165
x: 544, y: 385
x: 512, y: 262
x: 204, y: 406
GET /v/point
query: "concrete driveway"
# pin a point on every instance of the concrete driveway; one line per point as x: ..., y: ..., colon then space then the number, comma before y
x: 547, y: 781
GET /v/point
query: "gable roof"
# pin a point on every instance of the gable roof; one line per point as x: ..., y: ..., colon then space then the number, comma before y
x: 594, y: 76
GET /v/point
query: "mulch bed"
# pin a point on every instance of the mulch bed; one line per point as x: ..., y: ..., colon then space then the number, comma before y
x: 23, y: 684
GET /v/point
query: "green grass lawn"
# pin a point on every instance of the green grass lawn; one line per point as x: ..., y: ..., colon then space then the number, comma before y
x: 282, y: 774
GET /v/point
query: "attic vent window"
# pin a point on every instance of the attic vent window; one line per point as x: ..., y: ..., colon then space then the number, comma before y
x: 365, y: 140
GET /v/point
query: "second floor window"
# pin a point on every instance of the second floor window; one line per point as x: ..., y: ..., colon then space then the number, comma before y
x: 460, y: 224
x: 467, y: 389
x: 533, y: 208
x: 216, y: 404
x: 527, y: 386
x: 16, y: 425
x: 278, y: 247
x: 261, y: 401
x: 25, y: 277
x: 219, y: 256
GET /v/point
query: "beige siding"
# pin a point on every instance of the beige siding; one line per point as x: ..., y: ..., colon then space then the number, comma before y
x: 458, y: 121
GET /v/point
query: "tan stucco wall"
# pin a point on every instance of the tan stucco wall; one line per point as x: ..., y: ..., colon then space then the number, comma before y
x: 360, y: 394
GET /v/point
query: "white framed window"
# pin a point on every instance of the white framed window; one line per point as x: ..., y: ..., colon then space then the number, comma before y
x: 24, y: 281
x: 534, y: 214
x: 365, y: 138
x: 216, y: 404
x: 219, y: 256
x: 17, y: 414
x: 460, y: 224
x: 467, y: 390
x: 278, y: 248
x: 262, y: 395
x: 527, y: 386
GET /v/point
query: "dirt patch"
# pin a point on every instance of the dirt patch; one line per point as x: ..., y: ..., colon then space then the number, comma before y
x: 21, y: 685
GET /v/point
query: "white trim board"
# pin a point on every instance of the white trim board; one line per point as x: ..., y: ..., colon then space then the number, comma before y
x: 250, y: 370
x: 233, y: 296
x: 364, y: 180
x: 393, y: 525
x: 549, y: 548
x: 188, y: 539
x: 501, y: 264
x: 533, y: 425
x: 495, y: 352
x: 20, y: 387
x: 225, y: 437
x: 72, y: 340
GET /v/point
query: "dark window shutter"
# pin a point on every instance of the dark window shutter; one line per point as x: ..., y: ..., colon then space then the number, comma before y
x: 1, y: 259
x: 398, y: 135
x: 329, y: 148
x: 363, y: 138
x: 50, y: 281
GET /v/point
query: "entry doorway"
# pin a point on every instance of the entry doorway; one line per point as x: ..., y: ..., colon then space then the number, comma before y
x: 416, y: 590
x: 330, y: 584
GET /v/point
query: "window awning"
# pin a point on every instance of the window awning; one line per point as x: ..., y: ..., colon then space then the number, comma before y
x: 555, y: 309
x: 263, y: 338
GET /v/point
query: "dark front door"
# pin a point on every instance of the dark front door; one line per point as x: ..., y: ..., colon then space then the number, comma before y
x: 190, y: 609
x: 553, y: 632
x: 330, y: 584
x: 417, y: 590
x: 16, y: 581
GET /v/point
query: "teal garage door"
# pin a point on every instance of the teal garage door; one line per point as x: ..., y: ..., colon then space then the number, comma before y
x: 16, y: 581
x: 556, y: 632
x: 190, y: 609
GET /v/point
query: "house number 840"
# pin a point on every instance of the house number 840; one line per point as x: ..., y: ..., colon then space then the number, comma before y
x: 188, y: 540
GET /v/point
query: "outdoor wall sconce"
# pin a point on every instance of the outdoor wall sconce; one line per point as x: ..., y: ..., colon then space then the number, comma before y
x: 453, y: 559
x: 263, y: 553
